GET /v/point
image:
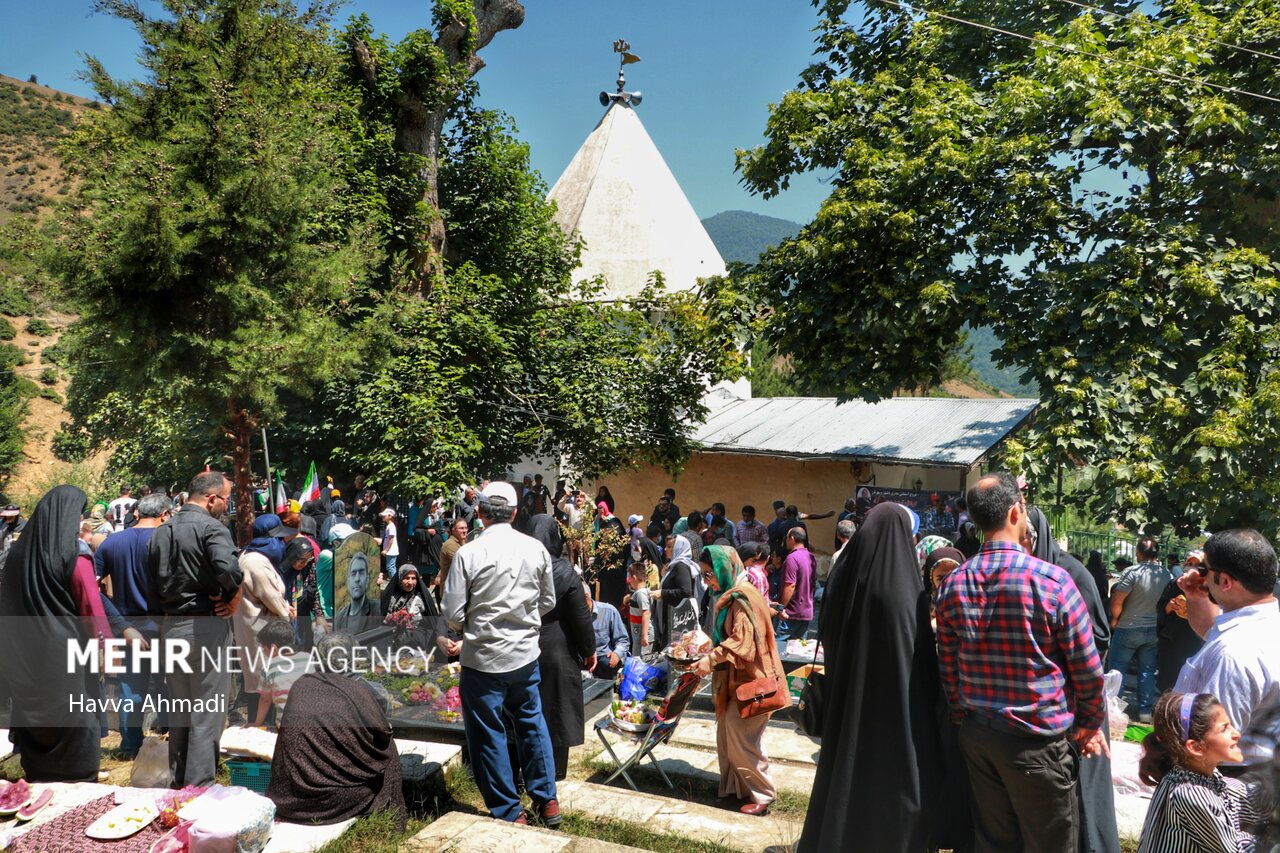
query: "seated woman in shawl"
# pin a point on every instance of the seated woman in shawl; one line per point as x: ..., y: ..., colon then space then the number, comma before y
x: 745, y: 649
x: 335, y: 758
x: 51, y: 597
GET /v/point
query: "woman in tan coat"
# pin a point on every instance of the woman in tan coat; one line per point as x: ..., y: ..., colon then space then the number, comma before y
x: 745, y: 649
x: 262, y: 600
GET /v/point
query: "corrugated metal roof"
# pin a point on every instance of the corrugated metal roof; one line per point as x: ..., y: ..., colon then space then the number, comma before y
x: 928, y: 430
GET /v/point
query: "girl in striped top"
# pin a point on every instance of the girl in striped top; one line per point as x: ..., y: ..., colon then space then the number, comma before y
x: 1195, y: 809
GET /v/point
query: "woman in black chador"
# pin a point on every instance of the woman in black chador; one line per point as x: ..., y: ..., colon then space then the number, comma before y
x: 880, y: 772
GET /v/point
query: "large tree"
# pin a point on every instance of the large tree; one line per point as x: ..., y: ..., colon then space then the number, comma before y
x: 1101, y: 191
x: 210, y: 242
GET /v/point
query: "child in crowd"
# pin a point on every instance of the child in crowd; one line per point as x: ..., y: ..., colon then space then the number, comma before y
x: 640, y: 610
x: 283, y: 667
x: 1195, y: 807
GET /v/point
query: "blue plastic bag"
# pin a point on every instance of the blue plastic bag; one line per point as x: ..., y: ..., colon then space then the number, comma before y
x: 639, y: 679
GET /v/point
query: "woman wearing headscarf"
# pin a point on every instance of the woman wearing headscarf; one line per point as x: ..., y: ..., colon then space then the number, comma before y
x: 1098, y: 571
x: 745, y: 650
x: 407, y: 592
x: 49, y: 597
x: 567, y: 643
x: 262, y: 600
x: 677, y: 585
x: 1176, y: 640
x: 263, y: 542
x: 1098, y: 830
x: 880, y: 770
x: 300, y: 554
x: 612, y: 573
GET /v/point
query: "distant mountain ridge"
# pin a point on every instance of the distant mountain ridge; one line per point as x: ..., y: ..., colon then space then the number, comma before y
x: 742, y: 236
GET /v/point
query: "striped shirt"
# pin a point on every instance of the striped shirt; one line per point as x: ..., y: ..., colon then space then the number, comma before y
x: 1015, y: 643
x: 1191, y: 813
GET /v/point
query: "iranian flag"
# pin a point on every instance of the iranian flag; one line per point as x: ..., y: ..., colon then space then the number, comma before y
x: 311, y: 488
x: 282, y: 500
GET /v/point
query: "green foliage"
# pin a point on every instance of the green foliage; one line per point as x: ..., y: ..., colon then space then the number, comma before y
x: 741, y: 236
x: 219, y: 258
x: 964, y: 194
x: 7, y: 331
x: 38, y: 327
x: 49, y: 375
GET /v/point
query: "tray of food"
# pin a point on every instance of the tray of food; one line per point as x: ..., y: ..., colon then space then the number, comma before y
x: 691, y: 647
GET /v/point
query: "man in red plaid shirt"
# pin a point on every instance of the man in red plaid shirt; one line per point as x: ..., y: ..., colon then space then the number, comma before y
x: 1022, y: 677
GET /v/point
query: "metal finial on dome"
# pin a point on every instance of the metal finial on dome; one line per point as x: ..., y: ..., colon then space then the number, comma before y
x: 631, y: 99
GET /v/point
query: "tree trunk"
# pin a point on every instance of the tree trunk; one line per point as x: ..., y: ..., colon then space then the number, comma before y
x: 241, y: 426
x: 422, y: 108
x: 418, y: 131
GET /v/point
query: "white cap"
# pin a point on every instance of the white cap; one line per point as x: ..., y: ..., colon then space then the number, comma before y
x: 502, y: 490
x: 388, y: 513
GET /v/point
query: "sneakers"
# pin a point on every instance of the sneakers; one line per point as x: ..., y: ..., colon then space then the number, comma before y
x: 522, y: 819
x: 549, y: 814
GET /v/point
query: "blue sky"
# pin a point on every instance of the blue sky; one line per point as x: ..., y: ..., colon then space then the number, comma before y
x: 709, y: 70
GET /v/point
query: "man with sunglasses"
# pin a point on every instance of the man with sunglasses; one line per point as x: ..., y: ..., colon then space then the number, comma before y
x: 1231, y: 603
x: 194, y: 579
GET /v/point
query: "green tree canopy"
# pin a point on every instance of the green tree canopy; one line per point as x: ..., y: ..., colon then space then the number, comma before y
x: 209, y: 241
x: 1101, y: 192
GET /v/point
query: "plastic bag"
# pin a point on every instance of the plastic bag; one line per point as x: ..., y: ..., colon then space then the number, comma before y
x: 151, y: 767
x: 1117, y: 719
x: 639, y: 679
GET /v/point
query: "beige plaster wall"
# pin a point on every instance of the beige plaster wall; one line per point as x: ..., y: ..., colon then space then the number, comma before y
x: 739, y: 479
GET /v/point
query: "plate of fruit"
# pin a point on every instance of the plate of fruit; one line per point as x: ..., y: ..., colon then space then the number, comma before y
x: 632, y: 716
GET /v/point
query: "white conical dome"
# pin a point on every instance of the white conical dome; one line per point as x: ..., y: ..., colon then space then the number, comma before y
x: 619, y: 196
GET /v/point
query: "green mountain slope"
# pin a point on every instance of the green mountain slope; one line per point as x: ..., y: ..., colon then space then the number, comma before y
x: 741, y: 236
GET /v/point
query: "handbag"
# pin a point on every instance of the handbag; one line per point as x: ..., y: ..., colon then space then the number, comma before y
x: 812, y: 698
x: 763, y: 695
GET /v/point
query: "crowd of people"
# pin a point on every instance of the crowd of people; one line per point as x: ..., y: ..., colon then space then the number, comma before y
x: 964, y: 704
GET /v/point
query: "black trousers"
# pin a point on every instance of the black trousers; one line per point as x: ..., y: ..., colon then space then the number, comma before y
x: 1024, y: 790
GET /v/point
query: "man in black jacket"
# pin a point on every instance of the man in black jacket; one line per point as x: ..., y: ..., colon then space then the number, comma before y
x: 195, y: 583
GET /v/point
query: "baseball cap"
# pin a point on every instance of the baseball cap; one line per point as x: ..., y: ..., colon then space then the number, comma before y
x: 502, y: 490
x: 282, y: 532
x: 388, y: 513
x: 633, y: 520
x: 10, y: 511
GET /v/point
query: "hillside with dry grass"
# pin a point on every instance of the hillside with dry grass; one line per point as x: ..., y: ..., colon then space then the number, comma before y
x: 34, y: 121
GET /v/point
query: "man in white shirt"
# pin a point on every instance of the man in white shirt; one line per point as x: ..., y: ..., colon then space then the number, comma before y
x: 496, y: 594
x: 1233, y: 606
x: 390, y: 543
x: 119, y: 508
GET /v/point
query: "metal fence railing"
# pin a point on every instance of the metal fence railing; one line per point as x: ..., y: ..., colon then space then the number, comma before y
x: 1113, y: 544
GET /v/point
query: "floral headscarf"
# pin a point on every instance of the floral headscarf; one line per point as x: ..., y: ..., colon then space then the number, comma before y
x: 728, y: 567
x: 928, y: 545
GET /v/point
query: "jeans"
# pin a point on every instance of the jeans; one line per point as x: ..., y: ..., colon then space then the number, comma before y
x: 390, y: 560
x: 1126, y: 643
x: 140, y: 682
x: 484, y: 697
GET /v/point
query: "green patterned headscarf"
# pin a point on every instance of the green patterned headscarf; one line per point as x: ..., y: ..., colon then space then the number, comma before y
x: 728, y: 567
